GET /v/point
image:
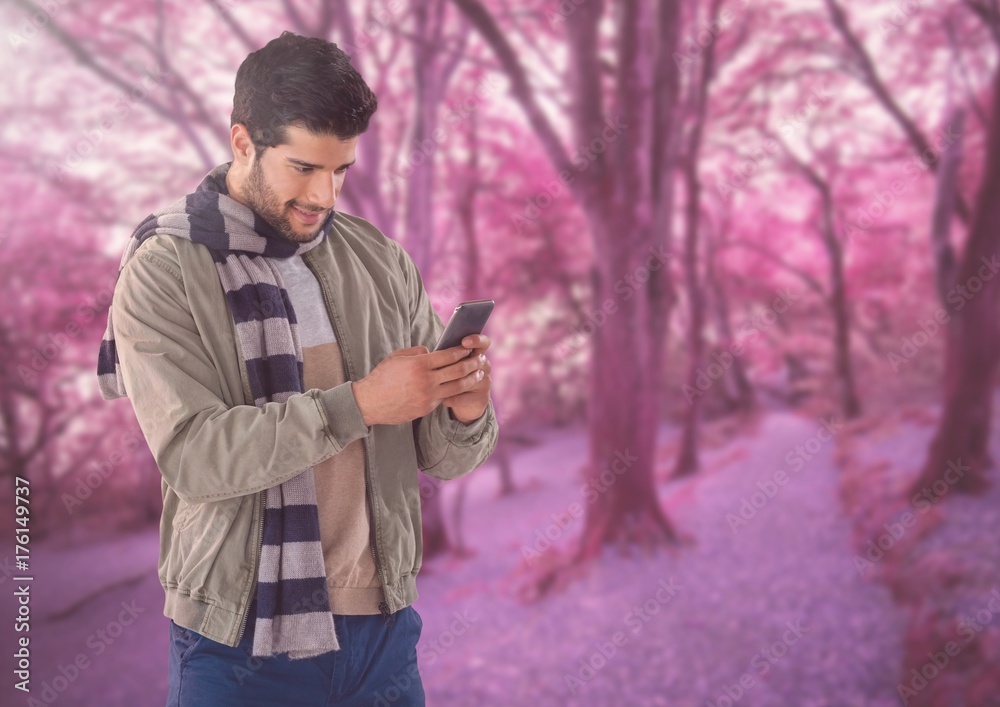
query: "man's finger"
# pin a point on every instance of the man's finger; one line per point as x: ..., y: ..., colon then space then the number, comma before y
x: 411, y: 351
x: 476, y: 341
x: 464, y: 384
x: 446, y: 357
x: 457, y: 370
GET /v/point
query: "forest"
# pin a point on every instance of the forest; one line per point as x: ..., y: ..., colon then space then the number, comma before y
x: 744, y: 352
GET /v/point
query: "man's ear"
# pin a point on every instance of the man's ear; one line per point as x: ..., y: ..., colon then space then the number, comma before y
x: 243, y: 149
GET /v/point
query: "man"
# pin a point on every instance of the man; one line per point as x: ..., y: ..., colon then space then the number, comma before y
x: 276, y: 355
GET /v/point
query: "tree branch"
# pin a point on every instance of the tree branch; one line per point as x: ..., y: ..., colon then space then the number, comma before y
x: 964, y: 73
x: 810, y: 281
x: 487, y: 27
x: 989, y: 15
x: 248, y: 42
x: 878, y: 87
x: 74, y: 47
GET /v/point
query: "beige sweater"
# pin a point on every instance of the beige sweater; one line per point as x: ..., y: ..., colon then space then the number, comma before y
x: 340, y: 480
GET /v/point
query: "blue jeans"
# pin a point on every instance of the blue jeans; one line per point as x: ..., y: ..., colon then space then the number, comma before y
x: 375, y: 666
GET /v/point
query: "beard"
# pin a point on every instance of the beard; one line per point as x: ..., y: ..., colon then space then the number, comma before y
x: 262, y: 199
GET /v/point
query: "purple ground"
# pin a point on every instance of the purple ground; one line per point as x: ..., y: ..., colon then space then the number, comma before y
x: 783, y: 583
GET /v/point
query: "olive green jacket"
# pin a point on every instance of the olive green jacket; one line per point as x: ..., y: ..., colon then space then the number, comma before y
x: 218, y: 452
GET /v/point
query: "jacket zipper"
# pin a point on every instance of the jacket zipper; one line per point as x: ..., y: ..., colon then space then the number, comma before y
x: 260, y: 549
x: 383, y: 607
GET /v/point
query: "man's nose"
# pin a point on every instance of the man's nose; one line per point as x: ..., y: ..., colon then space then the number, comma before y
x: 322, y: 191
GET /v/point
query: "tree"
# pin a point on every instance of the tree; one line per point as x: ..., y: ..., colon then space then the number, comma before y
x: 738, y: 389
x: 433, y: 69
x: 973, y: 351
x: 49, y: 327
x: 687, y: 455
x: 837, y: 300
x: 620, y: 174
x: 972, y: 343
x: 113, y: 55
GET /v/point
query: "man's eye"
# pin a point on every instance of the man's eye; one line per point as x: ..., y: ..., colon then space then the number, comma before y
x: 303, y: 170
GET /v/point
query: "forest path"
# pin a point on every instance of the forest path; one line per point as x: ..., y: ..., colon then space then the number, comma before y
x: 693, y: 623
x: 775, y: 552
x: 775, y: 601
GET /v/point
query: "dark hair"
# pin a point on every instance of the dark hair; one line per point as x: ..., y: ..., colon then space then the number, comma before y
x: 302, y: 81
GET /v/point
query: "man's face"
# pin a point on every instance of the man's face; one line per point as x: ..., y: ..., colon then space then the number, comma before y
x: 295, y: 186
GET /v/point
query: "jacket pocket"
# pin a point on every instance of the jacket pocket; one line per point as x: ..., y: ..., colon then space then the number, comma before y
x: 200, y: 530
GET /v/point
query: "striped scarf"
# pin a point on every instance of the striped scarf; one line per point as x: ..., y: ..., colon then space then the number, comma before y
x: 293, y: 603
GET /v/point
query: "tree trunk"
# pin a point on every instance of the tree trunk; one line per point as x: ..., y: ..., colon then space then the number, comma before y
x: 959, y: 454
x: 687, y: 453
x: 625, y: 191
x: 623, y: 505
x: 501, y: 455
x: 838, y: 299
x: 435, y: 533
x: 420, y: 160
x: 459, y: 548
x: 849, y: 401
x: 741, y: 397
x: 945, y: 191
x: 428, y: 85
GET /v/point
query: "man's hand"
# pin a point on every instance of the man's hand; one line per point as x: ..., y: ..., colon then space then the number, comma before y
x: 471, y: 404
x: 409, y: 383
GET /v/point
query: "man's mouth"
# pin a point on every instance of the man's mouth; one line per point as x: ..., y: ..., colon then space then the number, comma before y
x: 309, y: 218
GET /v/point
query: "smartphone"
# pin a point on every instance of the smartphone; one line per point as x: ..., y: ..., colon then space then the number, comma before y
x: 468, y: 318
